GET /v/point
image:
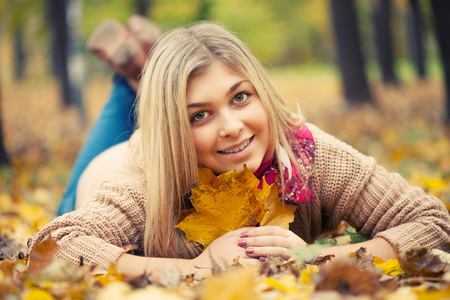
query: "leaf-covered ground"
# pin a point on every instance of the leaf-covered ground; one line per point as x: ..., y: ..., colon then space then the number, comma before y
x: 404, y: 134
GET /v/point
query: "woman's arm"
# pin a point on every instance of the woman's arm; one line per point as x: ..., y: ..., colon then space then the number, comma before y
x: 260, y: 242
x: 222, y: 253
x: 350, y: 186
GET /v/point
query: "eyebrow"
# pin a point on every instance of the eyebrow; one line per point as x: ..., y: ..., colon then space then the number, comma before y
x: 232, y: 89
x: 235, y: 86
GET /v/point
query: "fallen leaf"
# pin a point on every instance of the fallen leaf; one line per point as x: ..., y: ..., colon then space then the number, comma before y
x: 348, y: 279
x: 236, y: 283
x: 38, y: 294
x: 420, y: 262
x: 308, y: 273
x: 42, y: 255
x: 390, y: 266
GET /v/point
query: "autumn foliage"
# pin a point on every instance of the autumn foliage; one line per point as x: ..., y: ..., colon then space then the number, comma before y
x: 403, y: 133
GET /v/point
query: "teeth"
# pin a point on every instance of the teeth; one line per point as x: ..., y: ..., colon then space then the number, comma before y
x: 237, y: 149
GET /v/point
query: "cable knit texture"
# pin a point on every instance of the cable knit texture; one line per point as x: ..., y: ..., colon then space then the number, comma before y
x: 348, y: 186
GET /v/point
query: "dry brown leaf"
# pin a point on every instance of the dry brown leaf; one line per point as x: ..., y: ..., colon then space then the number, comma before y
x: 348, y: 279
x: 42, y: 255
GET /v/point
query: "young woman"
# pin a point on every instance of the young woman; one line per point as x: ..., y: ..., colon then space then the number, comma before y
x: 205, y: 101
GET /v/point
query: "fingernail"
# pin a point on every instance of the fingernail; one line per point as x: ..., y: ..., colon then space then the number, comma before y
x: 249, y: 250
x: 242, y: 243
x: 244, y: 234
x: 263, y: 258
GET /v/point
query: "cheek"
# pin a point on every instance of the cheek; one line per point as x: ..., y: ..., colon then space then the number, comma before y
x: 200, y: 143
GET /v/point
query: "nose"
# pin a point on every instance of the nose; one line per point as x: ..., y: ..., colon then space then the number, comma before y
x: 230, y: 125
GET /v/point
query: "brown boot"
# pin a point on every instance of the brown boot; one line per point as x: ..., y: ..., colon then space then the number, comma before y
x: 123, y: 50
x: 145, y: 30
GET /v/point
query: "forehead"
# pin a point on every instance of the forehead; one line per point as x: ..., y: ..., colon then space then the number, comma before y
x: 216, y: 78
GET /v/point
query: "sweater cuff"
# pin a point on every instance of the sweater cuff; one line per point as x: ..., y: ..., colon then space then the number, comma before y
x: 107, y: 255
x: 398, y: 235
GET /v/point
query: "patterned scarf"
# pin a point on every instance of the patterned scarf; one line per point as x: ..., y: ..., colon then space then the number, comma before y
x: 296, y: 188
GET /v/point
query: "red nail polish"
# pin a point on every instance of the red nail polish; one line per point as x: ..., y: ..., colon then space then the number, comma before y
x: 242, y: 243
x: 249, y: 250
x: 244, y: 234
x: 263, y: 259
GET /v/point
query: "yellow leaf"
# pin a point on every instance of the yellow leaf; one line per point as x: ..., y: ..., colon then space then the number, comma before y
x: 218, y: 211
x: 425, y: 294
x: 38, y: 294
x: 390, y: 266
x: 234, y: 284
x: 309, y: 272
x: 278, y: 213
x: 207, y: 177
x: 245, y: 177
x: 111, y: 276
x: 286, y: 284
x: 433, y: 183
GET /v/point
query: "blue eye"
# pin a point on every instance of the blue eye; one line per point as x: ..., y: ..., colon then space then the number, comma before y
x: 241, y: 97
x: 200, y: 116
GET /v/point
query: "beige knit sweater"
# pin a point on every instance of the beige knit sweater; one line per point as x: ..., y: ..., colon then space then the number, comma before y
x: 347, y: 186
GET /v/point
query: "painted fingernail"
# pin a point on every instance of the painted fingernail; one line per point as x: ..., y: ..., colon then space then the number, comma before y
x: 263, y: 258
x: 249, y: 250
x: 242, y: 243
x: 244, y: 234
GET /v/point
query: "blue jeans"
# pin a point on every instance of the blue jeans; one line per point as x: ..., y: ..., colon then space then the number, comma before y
x: 115, y: 125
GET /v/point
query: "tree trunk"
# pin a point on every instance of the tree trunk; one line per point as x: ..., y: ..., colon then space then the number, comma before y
x: 383, y: 40
x: 415, y: 39
x: 75, y: 57
x: 440, y: 10
x: 58, y: 28
x: 4, y: 159
x: 349, y: 53
x: 142, y: 6
x: 19, y: 55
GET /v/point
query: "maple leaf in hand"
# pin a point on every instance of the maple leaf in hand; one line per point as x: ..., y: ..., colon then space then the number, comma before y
x: 278, y: 213
x: 218, y: 211
x: 231, y: 201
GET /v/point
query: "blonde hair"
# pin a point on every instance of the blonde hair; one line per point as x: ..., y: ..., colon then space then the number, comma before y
x: 169, y: 154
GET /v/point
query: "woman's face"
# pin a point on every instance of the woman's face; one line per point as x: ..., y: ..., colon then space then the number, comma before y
x: 228, y: 121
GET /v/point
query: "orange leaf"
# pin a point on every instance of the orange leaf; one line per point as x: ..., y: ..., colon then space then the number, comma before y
x: 231, y: 206
x: 207, y: 177
x: 42, y: 255
x: 278, y: 213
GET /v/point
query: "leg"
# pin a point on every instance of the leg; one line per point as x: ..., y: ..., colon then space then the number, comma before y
x: 115, y: 125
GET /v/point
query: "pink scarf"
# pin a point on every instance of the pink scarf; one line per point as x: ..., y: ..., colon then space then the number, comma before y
x: 296, y: 188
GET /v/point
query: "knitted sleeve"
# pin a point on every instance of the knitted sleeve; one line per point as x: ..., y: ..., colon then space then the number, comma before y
x: 113, y: 218
x: 352, y: 187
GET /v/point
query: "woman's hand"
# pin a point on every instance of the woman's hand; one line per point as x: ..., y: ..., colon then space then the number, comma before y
x: 260, y: 242
x: 224, y: 251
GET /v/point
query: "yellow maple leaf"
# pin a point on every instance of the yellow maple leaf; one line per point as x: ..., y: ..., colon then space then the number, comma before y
x: 218, y: 211
x: 231, y: 201
x: 278, y: 213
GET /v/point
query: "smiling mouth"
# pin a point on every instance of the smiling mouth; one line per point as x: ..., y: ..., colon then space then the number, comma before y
x: 239, y: 148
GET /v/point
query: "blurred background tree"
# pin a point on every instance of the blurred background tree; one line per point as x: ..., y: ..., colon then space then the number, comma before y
x: 285, y: 32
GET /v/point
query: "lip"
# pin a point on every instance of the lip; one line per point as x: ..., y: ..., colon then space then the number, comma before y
x: 250, y: 140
